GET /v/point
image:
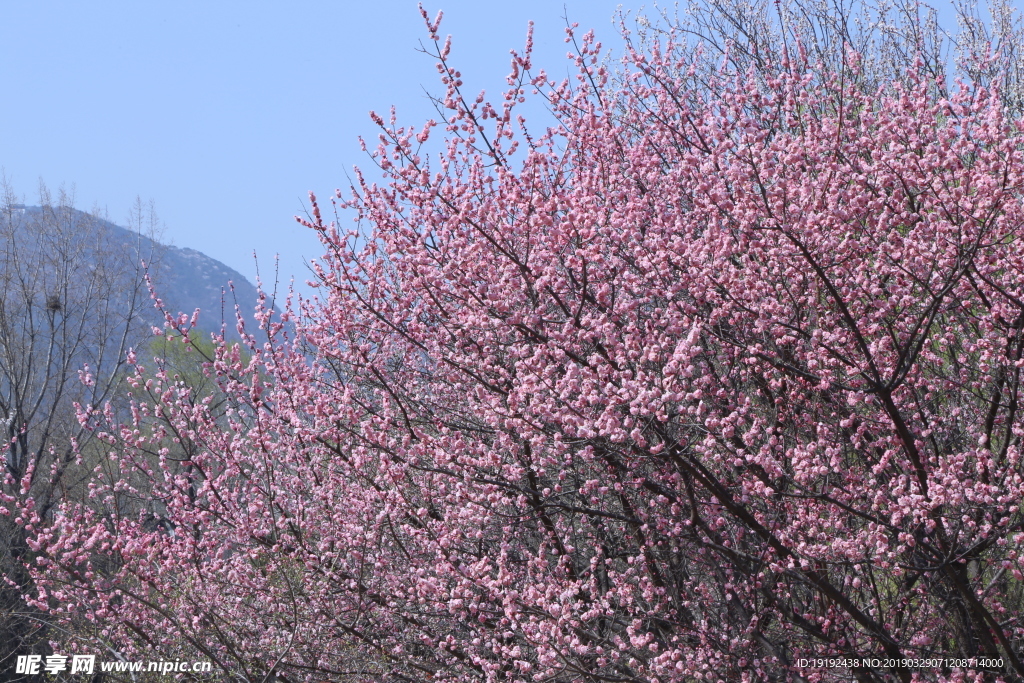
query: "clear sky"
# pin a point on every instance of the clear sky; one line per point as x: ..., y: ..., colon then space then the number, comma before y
x: 226, y: 114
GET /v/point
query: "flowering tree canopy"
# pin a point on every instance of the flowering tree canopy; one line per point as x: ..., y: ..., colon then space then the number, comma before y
x: 718, y: 373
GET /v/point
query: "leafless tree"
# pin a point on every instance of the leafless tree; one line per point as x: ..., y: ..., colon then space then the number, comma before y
x: 73, y: 300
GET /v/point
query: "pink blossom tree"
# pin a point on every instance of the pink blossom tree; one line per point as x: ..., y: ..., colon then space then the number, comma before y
x: 719, y: 373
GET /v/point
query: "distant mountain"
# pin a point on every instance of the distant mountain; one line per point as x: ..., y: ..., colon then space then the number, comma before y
x: 187, y: 279
x: 184, y: 279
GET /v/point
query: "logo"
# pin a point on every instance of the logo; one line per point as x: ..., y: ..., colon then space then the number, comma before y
x: 53, y: 664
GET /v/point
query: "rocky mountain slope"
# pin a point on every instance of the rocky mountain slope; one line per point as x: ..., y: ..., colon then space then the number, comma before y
x: 184, y: 279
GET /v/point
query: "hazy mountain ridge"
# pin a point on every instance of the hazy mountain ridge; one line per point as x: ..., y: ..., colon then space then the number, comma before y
x: 183, y: 278
x: 187, y: 279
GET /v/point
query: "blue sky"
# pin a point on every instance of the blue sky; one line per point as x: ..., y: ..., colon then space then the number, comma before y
x: 225, y: 113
